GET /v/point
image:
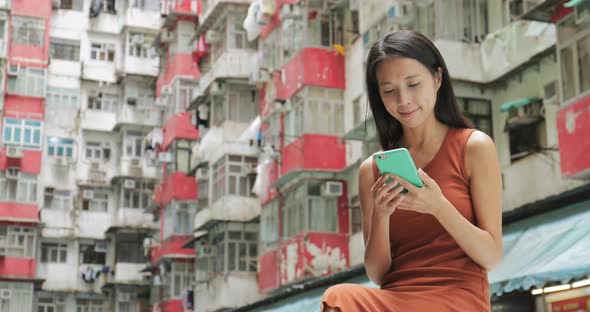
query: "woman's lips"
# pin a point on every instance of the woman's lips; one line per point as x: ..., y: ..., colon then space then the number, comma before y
x: 408, y: 114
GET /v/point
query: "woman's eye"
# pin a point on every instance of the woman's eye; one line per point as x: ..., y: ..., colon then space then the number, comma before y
x: 414, y: 85
x: 387, y: 91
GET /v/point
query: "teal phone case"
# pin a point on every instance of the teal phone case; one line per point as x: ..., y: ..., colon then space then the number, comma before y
x: 400, y: 163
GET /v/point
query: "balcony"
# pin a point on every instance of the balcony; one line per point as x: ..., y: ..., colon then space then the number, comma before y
x: 137, y: 168
x: 172, y: 248
x: 179, y: 186
x: 312, y: 255
x: 141, y: 66
x: 65, y: 68
x: 128, y: 273
x: 231, y: 64
x: 133, y: 218
x: 94, y: 120
x: 573, y: 127
x: 19, y: 212
x: 142, y: 18
x: 92, y: 224
x: 212, y: 10
x: 306, y: 153
x: 95, y: 174
x: 145, y: 113
x: 17, y: 268
x: 179, y: 65
x: 179, y: 127
x: 229, y: 208
x: 99, y: 71
x: 5, y: 5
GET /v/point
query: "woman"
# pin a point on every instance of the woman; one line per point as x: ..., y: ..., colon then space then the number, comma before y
x: 429, y: 249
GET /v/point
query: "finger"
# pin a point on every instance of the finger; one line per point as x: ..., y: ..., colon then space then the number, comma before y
x: 398, y: 200
x: 407, y: 185
x: 392, y: 195
x: 428, y: 181
x: 378, y: 183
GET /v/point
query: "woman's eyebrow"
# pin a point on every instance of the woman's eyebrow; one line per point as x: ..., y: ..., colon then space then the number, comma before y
x: 408, y: 77
x: 412, y: 76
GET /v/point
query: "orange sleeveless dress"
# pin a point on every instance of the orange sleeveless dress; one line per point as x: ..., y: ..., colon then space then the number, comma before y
x: 429, y: 271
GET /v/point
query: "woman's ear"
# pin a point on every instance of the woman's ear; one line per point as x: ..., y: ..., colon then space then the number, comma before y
x: 438, y: 77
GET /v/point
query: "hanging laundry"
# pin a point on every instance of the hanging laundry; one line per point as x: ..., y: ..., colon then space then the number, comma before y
x: 95, y: 8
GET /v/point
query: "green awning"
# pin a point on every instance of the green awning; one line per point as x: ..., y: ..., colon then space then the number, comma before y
x: 573, y: 3
x: 518, y: 103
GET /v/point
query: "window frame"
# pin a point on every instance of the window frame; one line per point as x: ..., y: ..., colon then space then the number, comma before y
x: 58, y: 45
x: 103, y: 52
x: 29, y: 25
x: 570, y: 43
x: 57, y: 143
x: 16, y: 234
x: 27, y: 77
x: 57, y: 249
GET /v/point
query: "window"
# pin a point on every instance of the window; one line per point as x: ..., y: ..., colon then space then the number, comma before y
x: 269, y: 224
x: 99, y: 101
x: 182, y: 275
x: 89, y: 305
x: 17, y: 241
x: 479, y: 111
x: 573, y: 42
x: 104, y: 52
x: 467, y: 20
x: 59, y: 200
x: 21, y: 296
x: 237, y: 34
x: 95, y: 200
x: 22, y: 187
x: 49, y: 304
x: 185, y: 94
x: 96, y: 151
x: 60, y: 147
x: 130, y: 248
x: 22, y: 132
x: 231, y: 177
x: 242, y: 251
x: 139, y: 97
x: 134, y: 144
x: 94, y: 253
x: 54, y: 252
x: 138, y: 197
x: 28, y: 81
x: 305, y: 209
x: 356, y: 221
x: 203, y: 183
x: 64, y: 50
x: 241, y: 106
x: 28, y: 31
x: 318, y: 111
x: 525, y: 140
x: 109, y: 7
x: 140, y: 45
x: 359, y: 114
x: 146, y: 5
x: 61, y: 97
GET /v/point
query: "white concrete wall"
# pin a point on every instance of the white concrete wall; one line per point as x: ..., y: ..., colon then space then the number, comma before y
x: 128, y: 272
x: 242, y: 288
x: 131, y: 217
x: 229, y: 208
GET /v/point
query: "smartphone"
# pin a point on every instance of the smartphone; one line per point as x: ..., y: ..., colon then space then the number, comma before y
x: 399, y: 162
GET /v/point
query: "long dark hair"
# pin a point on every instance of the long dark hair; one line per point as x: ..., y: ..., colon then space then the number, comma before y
x: 410, y: 44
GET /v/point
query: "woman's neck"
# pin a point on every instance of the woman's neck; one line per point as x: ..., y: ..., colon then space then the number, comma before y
x: 430, y: 132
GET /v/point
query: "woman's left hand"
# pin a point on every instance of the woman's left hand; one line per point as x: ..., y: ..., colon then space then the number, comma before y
x: 427, y: 199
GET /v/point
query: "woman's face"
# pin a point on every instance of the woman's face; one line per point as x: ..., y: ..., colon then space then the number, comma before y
x: 408, y: 90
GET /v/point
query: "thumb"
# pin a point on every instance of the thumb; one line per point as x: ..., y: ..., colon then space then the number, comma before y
x: 428, y: 181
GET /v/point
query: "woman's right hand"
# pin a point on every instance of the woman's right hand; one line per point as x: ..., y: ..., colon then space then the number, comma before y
x: 386, y: 196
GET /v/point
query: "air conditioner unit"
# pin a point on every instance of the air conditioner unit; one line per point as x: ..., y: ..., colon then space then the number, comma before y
x: 129, y: 184
x: 14, y: 152
x: 212, y: 36
x: 13, y: 69
x: 4, y: 293
x: 12, y: 173
x: 582, y: 12
x: 138, y: 39
x: 87, y: 194
x: 334, y: 188
x: 551, y: 93
x: 124, y: 297
x: 100, y: 247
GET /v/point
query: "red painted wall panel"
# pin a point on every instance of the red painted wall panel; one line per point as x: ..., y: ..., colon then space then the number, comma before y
x: 343, y: 211
x: 179, y: 186
x: 318, y: 67
x: 268, y: 278
x: 172, y: 246
x: 314, y: 151
x: 172, y: 305
x: 560, y: 12
x: 17, y: 267
x: 573, y: 127
x: 179, y: 127
x: 177, y: 65
x: 30, y: 163
x: 19, y: 212
x: 16, y: 106
x: 37, y: 8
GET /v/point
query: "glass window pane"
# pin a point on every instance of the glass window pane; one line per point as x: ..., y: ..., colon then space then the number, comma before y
x: 584, y: 63
x: 567, y: 73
